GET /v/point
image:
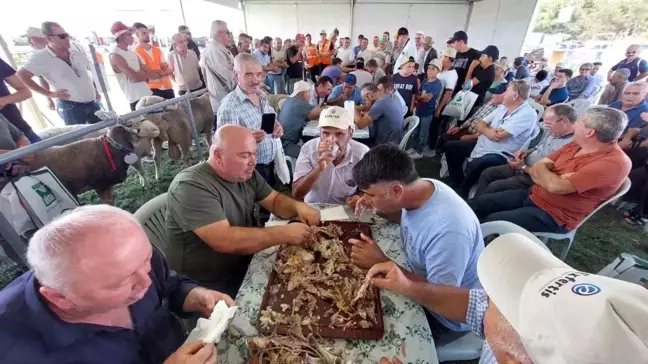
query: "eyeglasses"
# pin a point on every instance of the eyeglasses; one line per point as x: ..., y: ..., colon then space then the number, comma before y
x: 585, y: 69
x: 61, y: 36
x: 631, y: 52
x: 636, y: 93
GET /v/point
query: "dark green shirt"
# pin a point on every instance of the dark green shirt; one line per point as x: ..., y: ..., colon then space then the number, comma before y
x: 198, y: 197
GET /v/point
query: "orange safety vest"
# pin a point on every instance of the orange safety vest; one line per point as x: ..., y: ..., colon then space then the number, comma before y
x: 312, y: 56
x: 324, y: 48
x: 154, y: 64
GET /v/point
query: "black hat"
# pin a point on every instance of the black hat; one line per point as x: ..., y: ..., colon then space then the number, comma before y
x: 492, y: 52
x: 460, y: 35
x: 402, y: 31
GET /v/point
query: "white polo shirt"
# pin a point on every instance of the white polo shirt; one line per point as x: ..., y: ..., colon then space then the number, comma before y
x: 336, y: 183
x: 75, y: 77
x: 346, y: 55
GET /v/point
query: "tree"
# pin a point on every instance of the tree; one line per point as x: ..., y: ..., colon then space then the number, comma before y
x: 595, y: 19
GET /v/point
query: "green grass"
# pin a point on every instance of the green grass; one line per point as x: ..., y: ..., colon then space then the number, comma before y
x: 597, y: 242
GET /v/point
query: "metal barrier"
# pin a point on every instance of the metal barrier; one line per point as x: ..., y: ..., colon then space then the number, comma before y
x: 16, y: 247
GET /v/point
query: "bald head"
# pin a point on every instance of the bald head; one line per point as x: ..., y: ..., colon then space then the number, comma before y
x: 76, y: 242
x: 233, y: 153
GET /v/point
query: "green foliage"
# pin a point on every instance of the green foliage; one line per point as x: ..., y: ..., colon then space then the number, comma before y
x: 595, y: 19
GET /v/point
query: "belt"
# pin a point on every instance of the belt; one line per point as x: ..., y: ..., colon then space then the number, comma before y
x: 78, y: 103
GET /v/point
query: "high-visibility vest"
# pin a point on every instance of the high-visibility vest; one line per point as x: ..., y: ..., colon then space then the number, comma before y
x: 324, y: 48
x: 312, y: 56
x: 155, y: 64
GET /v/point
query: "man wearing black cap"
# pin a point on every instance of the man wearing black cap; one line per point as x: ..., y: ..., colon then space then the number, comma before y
x: 467, y: 58
x: 408, y: 48
x: 484, y: 74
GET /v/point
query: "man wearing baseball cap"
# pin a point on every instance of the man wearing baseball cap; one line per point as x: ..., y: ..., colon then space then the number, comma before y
x: 324, y: 171
x: 295, y: 112
x: 35, y: 38
x: 484, y: 74
x: 346, y: 91
x: 131, y: 73
x: 448, y: 77
x: 534, y: 308
x: 467, y: 58
x: 407, y: 46
x: 500, y: 82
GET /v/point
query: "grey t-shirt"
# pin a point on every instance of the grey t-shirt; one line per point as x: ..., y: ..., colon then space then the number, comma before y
x: 293, y: 117
x: 387, y: 117
x: 198, y: 197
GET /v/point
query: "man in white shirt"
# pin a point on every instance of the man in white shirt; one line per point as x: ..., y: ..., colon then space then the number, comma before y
x: 184, y: 62
x: 407, y: 46
x: 364, y: 53
x: 324, y: 170
x: 320, y: 91
x: 429, y: 53
x: 448, y: 77
x: 362, y: 75
x: 68, y: 71
x: 276, y: 79
x: 375, y: 44
x: 218, y: 65
x: 420, y: 51
x: 376, y: 72
x: 345, y: 53
x: 131, y: 73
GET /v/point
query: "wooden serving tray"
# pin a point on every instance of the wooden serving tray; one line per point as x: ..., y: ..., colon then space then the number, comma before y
x: 351, y: 230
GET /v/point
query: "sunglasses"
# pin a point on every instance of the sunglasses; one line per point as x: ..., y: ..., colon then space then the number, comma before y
x: 61, y: 36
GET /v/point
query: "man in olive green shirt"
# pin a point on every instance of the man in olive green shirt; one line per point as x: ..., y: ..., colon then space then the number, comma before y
x: 210, y: 222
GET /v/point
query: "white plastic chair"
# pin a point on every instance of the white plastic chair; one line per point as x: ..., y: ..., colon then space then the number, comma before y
x: 538, y: 108
x: 580, y: 105
x: 410, y: 125
x: 536, y: 131
x: 152, y: 217
x: 570, y: 234
x: 469, y: 346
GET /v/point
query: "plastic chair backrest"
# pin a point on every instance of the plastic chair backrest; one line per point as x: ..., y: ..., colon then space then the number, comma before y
x: 580, y: 105
x: 152, y: 217
x: 538, y: 108
x: 410, y: 125
x: 625, y: 187
x: 505, y: 227
x: 536, y: 131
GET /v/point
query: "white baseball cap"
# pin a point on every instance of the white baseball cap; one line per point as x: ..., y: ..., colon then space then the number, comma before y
x: 563, y: 315
x: 336, y: 117
x: 33, y: 32
x: 300, y: 86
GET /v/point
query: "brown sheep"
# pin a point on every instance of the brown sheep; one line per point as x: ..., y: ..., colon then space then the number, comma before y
x: 175, y: 121
x: 84, y: 164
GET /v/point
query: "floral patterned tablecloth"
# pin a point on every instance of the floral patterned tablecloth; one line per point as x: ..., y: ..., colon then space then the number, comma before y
x: 407, y: 334
x: 311, y: 129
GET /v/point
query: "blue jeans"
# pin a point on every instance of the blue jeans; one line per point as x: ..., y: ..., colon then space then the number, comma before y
x: 77, y: 112
x: 276, y: 83
x: 32, y: 136
x: 475, y: 168
x: 420, y: 135
x: 515, y: 206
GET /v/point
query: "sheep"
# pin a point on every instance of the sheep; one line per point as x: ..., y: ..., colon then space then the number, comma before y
x: 174, y: 126
x: 58, y: 130
x: 84, y: 164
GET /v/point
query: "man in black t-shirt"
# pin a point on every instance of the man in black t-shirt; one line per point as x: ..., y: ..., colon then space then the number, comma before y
x: 467, y: 58
x: 484, y: 74
x: 295, y: 70
x: 9, y: 100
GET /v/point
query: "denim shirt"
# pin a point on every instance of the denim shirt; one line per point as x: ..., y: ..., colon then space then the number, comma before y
x: 30, y: 332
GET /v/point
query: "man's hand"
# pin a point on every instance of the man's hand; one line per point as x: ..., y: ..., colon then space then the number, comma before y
x: 325, y: 153
x: 625, y: 143
x: 366, y: 253
x: 343, y: 97
x: 437, y: 113
x: 258, y: 135
x: 566, y: 175
x: 296, y: 233
x: 203, y: 300
x: 518, y: 160
x: 277, y: 132
x: 353, y: 200
x: 62, y: 94
x: 385, y: 360
x: 50, y: 104
x: 97, y: 95
x: 193, y: 353
x: 644, y: 116
x: 394, y: 278
x: 453, y: 130
x: 308, y: 215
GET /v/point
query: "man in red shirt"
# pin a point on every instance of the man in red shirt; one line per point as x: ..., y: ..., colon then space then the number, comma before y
x: 568, y: 184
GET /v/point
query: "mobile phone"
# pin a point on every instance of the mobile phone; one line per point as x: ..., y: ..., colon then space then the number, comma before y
x: 268, y: 122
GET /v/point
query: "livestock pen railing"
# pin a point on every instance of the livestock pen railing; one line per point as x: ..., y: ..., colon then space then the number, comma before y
x: 13, y: 244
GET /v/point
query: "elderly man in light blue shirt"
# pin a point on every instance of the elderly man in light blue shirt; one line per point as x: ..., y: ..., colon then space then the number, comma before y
x: 583, y: 85
x: 503, y: 132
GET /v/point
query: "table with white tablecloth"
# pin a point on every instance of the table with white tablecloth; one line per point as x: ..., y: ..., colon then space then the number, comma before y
x: 407, y: 333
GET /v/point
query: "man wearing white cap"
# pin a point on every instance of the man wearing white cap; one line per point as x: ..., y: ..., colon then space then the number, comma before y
x: 534, y: 308
x: 131, y: 73
x: 36, y: 38
x: 68, y: 71
x: 295, y: 112
x: 324, y: 171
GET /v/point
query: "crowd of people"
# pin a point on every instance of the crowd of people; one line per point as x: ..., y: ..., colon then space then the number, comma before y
x: 98, y: 292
